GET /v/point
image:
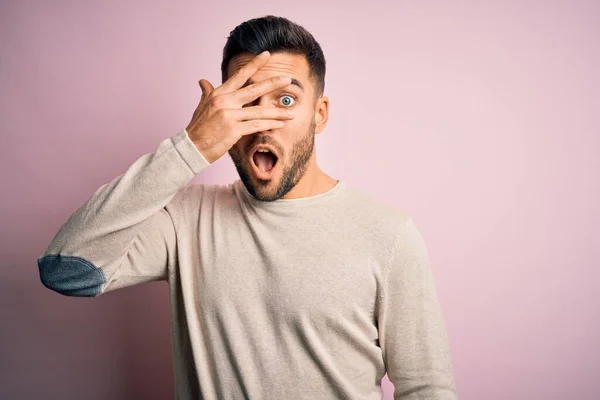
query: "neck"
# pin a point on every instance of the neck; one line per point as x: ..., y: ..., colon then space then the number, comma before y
x: 313, y: 182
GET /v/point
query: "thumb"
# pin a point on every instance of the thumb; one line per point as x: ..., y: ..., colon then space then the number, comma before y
x: 206, y: 87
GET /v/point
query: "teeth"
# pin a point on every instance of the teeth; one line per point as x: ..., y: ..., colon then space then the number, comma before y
x: 264, y: 150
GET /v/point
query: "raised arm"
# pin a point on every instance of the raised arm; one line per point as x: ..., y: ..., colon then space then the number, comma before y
x: 125, y: 233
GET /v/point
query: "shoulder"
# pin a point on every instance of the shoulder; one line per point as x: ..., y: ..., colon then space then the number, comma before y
x: 371, y: 211
x: 386, y: 226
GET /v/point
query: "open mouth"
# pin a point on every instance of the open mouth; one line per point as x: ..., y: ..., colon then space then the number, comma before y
x: 264, y: 162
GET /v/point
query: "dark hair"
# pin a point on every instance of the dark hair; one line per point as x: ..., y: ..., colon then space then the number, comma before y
x: 276, y: 34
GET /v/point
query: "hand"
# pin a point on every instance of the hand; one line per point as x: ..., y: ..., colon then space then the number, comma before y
x: 220, y: 119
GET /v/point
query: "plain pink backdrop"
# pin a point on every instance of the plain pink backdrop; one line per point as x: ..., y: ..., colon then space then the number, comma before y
x: 481, y: 121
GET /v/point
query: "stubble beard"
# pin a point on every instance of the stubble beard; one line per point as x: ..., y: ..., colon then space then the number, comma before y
x: 264, y: 190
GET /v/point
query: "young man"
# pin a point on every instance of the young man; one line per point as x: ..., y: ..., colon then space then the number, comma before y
x: 287, y: 283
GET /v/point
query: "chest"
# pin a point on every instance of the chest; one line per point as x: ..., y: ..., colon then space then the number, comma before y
x: 288, y: 274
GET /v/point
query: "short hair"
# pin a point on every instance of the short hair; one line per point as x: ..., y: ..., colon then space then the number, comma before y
x: 276, y: 34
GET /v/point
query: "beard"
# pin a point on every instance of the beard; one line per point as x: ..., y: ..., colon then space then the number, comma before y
x: 293, y: 166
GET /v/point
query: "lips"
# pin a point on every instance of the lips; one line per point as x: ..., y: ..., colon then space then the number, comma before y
x: 264, y: 161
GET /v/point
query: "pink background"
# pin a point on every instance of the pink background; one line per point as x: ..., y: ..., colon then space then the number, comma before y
x: 482, y: 121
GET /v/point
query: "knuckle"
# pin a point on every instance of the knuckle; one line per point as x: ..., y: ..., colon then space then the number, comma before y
x: 220, y: 113
x: 253, y: 89
x: 224, y: 113
x: 218, y: 102
x: 259, y: 112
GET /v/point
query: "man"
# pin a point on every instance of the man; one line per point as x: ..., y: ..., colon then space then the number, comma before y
x: 287, y: 283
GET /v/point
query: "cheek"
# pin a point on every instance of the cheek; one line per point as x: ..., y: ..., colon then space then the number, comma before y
x: 236, y: 150
x: 301, y: 119
x: 240, y: 145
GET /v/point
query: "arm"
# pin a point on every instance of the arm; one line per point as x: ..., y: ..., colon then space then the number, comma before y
x: 125, y: 233
x: 412, y: 331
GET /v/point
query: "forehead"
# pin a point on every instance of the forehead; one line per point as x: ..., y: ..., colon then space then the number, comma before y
x: 286, y: 64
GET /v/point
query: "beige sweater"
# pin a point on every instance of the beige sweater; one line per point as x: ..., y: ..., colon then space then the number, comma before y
x: 309, y: 298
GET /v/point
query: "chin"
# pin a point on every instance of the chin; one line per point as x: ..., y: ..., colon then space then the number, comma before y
x: 261, y: 195
x: 260, y: 189
x: 265, y: 190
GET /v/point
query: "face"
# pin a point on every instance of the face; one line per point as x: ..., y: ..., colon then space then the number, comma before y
x: 294, y: 143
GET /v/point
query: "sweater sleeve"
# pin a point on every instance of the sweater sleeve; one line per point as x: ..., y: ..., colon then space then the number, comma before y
x: 124, y: 234
x: 412, y: 330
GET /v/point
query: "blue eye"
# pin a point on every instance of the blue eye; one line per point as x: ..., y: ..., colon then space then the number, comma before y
x: 289, y: 96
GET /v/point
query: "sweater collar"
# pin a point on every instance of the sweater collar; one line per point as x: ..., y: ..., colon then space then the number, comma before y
x: 289, y: 203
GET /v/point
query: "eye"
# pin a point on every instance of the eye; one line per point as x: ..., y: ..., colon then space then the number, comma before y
x: 289, y: 96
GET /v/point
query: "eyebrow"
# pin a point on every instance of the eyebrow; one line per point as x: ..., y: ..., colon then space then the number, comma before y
x: 293, y: 82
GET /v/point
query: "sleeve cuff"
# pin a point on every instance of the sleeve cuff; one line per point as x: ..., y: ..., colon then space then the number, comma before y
x: 189, y: 152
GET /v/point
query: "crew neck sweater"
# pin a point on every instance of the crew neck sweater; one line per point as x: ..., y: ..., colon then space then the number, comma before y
x: 305, y: 298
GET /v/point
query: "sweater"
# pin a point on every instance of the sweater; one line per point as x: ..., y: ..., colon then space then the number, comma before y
x: 305, y: 298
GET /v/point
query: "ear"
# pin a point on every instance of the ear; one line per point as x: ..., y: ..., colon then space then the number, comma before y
x: 321, y: 114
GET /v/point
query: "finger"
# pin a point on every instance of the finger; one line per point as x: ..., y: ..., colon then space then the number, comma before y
x: 259, y: 112
x: 206, y: 87
x: 252, y: 92
x: 258, y: 125
x: 238, y: 79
